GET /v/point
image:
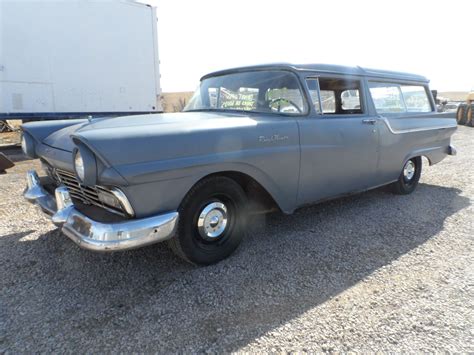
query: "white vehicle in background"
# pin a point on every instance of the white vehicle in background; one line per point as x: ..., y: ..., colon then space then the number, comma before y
x: 75, y: 58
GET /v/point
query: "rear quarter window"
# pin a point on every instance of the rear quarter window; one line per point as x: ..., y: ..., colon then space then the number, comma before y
x: 399, y: 98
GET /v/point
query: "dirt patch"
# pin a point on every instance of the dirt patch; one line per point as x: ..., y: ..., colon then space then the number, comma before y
x: 368, y: 273
x: 10, y: 138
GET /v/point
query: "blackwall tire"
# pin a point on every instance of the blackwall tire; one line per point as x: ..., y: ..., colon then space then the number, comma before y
x: 407, y: 183
x: 212, y: 221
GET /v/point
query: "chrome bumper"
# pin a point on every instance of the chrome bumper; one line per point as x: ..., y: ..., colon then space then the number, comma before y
x: 93, y: 235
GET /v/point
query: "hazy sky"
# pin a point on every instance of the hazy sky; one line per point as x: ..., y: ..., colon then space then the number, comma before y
x: 431, y: 38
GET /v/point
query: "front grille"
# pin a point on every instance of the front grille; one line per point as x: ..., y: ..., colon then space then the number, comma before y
x: 87, y: 195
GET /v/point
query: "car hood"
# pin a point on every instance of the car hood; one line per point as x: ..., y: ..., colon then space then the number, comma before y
x: 61, y: 139
x: 125, y: 139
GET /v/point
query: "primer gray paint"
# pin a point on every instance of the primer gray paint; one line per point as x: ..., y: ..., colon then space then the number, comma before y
x: 156, y: 159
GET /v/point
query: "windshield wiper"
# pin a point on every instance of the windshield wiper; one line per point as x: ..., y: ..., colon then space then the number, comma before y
x: 201, y: 109
x: 219, y: 110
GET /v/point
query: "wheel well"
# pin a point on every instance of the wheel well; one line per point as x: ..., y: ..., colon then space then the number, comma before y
x: 427, y: 158
x: 422, y: 157
x: 260, y: 200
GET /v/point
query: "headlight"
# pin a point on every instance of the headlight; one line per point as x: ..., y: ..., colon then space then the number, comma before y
x: 23, y: 144
x: 28, y: 145
x: 85, y: 165
x: 79, y: 166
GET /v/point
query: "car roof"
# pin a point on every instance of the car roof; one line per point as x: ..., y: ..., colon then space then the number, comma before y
x: 324, y: 68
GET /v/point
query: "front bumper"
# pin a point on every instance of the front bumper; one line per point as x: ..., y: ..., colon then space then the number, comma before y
x: 94, y: 235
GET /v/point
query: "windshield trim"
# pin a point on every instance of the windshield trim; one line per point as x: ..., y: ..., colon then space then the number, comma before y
x: 304, y: 98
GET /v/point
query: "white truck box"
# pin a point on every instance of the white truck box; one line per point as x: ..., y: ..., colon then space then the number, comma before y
x: 69, y: 58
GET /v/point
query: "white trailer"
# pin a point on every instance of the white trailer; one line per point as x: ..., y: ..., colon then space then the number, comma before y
x: 70, y: 58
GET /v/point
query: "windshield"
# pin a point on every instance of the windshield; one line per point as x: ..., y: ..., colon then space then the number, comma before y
x: 255, y: 91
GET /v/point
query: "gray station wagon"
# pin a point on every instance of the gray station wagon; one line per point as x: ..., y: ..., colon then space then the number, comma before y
x: 250, y: 140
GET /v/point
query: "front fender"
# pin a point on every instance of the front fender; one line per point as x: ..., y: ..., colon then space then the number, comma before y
x: 161, y: 159
x: 156, y: 187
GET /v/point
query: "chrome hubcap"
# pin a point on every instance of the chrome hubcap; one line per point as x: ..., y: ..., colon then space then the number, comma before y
x: 212, y: 221
x: 409, y: 170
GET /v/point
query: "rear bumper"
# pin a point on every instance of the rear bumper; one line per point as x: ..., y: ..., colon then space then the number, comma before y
x: 94, y: 235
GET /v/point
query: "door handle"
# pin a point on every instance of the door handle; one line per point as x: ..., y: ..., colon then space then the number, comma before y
x: 371, y: 121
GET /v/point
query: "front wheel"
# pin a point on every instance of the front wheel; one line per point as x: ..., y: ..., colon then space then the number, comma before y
x: 409, y: 177
x: 212, y: 221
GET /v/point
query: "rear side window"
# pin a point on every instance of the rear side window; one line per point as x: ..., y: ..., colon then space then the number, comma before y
x: 399, y: 98
x: 416, y: 98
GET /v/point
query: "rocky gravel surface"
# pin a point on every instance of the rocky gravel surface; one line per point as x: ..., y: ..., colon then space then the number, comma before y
x: 372, y: 272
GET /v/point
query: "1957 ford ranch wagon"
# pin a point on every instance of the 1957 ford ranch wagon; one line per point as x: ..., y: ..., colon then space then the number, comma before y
x: 251, y: 139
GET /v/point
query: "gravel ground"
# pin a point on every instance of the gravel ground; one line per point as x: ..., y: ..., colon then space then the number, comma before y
x: 372, y: 272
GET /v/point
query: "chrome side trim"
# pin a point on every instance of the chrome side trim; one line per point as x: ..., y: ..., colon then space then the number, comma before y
x: 412, y: 130
x: 94, y: 235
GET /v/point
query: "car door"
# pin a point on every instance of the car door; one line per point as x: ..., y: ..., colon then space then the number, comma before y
x: 338, y: 144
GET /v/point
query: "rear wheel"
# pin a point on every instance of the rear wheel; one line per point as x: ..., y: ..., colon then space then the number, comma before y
x: 409, y: 177
x: 212, y: 221
x: 461, y: 114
